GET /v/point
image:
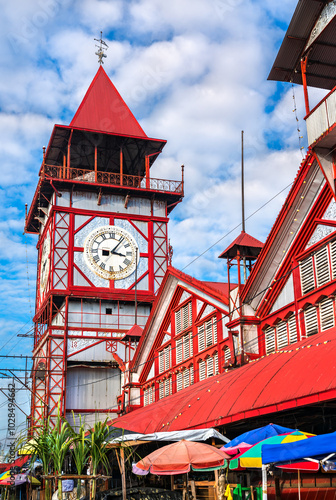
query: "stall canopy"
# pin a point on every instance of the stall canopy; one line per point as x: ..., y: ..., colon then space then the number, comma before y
x: 318, y: 446
x: 188, y: 435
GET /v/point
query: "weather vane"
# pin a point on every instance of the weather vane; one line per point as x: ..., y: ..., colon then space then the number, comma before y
x: 101, y: 47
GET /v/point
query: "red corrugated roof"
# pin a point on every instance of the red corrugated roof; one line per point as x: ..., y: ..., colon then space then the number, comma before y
x: 247, y: 245
x: 220, y: 287
x: 104, y: 110
x: 286, y: 379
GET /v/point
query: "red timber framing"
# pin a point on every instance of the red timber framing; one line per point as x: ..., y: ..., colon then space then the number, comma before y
x: 189, y: 341
x: 309, y: 311
x: 95, y: 173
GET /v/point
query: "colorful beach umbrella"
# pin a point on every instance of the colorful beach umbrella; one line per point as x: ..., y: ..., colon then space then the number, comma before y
x: 251, y: 458
x: 257, y: 435
x: 180, y: 457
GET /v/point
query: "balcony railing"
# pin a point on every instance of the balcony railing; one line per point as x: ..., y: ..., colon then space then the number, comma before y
x: 321, y: 118
x: 111, y: 179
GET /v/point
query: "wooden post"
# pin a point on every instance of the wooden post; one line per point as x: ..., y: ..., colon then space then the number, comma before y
x: 95, y: 163
x: 123, y: 476
x: 304, y: 61
x: 147, y: 172
x: 64, y: 166
x: 216, y: 484
x: 121, y: 167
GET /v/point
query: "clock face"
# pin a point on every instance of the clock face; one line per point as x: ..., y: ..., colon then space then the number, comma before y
x: 45, y: 264
x: 111, y: 252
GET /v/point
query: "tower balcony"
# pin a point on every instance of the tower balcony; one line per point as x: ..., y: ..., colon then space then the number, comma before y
x: 116, y: 179
x: 321, y: 123
x: 57, y: 178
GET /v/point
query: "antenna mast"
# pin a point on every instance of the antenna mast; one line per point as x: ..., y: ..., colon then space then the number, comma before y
x: 243, y: 198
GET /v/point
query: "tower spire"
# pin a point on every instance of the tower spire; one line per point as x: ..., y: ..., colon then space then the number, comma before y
x: 101, y: 48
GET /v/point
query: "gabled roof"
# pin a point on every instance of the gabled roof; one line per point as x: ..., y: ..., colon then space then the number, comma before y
x: 104, y: 110
x: 282, y: 243
x: 247, y: 245
x: 287, y: 379
x: 216, y: 292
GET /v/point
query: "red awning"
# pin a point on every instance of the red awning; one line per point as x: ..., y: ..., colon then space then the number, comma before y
x: 301, y: 374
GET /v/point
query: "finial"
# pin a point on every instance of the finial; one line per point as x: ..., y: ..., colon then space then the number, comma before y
x: 101, y: 47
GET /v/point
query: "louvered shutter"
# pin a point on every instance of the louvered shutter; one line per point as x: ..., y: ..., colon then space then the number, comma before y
x: 216, y: 363
x: 208, y: 332
x: 201, y: 341
x: 191, y: 352
x: 307, y: 275
x: 333, y: 258
x: 186, y: 347
x: 292, y: 329
x: 210, y: 367
x: 161, y: 389
x: 214, y: 322
x: 179, y: 381
x: 322, y: 266
x: 189, y: 314
x: 227, y: 354
x: 178, y: 325
x: 281, y: 333
x: 161, y: 361
x: 327, y: 314
x: 179, y: 350
x: 167, y: 358
x: 191, y: 374
x: 202, y: 370
x: 150, y: 395
x: 269, y: 340
x: 146, y: 397
x: 310, y: 316
x: 186, y: 381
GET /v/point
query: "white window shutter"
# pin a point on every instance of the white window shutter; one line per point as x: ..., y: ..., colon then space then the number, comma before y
x: 179, y: 350
x: 201, y: 340
x: 178, y: 325
x: 292, y: 329
x: 327, y: 314
x: 210, y: 366
x: 179, y: 381
x: 227, y: 354
x: 269, y: 340
x: 202, y: 370
x: 310, y: 317
x: 322, y: 266
x: 307, y: 275
x: 281, y: 333
x: 333, y: 258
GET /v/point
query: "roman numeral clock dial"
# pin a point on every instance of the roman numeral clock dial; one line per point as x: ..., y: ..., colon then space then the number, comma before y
x: 111, y: 252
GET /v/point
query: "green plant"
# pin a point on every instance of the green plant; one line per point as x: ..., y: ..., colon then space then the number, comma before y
x: 80, y: 449
x: 98, y: 437
x: 61, y: 439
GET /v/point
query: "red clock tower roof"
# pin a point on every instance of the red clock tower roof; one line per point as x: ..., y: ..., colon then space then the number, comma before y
x: 104, y: 110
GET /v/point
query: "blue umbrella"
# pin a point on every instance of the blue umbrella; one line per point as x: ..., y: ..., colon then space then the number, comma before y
x: 257, y: 435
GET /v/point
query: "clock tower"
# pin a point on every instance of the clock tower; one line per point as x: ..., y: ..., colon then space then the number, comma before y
x: 101, y: 220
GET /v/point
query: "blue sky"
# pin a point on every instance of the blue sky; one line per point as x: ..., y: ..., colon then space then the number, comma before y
x: 193, y: 72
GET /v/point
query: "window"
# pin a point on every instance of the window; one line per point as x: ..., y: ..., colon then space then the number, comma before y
x: 184, y: 347
x: 149, y: 395
x: 319, y: 268
x: 310, y: 317
x: 183, y: 318
x: 327, y: 313
x: 164, y: 359
x: 292, y: 332
x: 165, y: 388
x: 185, y: 378
x: 208, y: 367
x: 281, y: 334
x: 207, y: 334
x: 227, y: 354
x: 202, y: 370
x: 307, y: 275
x: 270, y: 340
